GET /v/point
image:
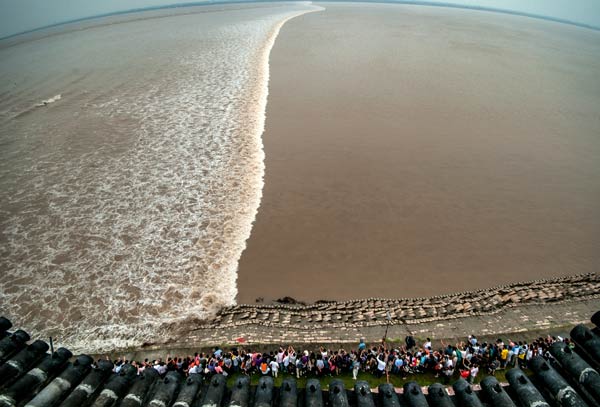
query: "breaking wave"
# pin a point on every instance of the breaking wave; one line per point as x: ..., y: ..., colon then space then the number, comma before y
x: 127, y: 202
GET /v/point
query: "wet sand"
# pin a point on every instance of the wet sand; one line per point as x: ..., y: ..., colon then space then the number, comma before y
x: 414, y: 151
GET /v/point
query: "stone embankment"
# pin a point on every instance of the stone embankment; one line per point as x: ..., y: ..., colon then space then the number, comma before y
x: 373, y: 311
x: 540, y: 304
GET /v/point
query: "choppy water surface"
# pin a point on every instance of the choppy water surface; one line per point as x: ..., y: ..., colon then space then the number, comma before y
x: 131, y: 170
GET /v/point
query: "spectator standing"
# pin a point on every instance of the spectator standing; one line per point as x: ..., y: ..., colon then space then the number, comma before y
x: 274, y: 367
x: 474, y: 373
x: 355, y: 365
x: 380, y: 365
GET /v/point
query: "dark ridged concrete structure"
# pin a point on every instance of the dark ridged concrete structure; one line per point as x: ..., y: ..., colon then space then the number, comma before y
x: 29, y: 376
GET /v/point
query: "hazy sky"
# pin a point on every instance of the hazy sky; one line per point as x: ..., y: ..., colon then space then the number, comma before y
x: 22, y: 15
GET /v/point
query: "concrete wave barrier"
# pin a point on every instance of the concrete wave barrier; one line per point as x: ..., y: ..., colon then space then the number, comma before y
x: 492, y: 390
x: 140, y: 388
x: 465, y: 395
x: 364, y: 398
x: 567, y: 379
x: 438, y: 396
x: 240, y: 394
x: 264, y: 392
x: 288, y: 395
x: 215, y: 392
x: 54, y: 391
x: 387, y: 396
x: 116, y: 387
x: 558, y: 387
x: 337, y: 394
x: 527, y: 393
x: 5, y: 325
x: 165, y: 390
x: 414, y: 395
x: 596, y: 319
x: 28, y: 385
x: 589, y: 341
x: 12, y: 343
x: 21, y: 362
x: 189, y: 390
x: 575, y: 366
x: 314, y: 395
x: 87, y: 389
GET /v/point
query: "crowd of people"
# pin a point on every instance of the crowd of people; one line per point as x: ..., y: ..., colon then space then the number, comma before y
x: 469, y: 359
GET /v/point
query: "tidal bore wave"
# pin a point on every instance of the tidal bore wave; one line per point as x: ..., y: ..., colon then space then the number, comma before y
x: 128, y: 200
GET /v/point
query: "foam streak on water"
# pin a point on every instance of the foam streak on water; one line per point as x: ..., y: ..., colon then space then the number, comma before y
x: 127, y: 202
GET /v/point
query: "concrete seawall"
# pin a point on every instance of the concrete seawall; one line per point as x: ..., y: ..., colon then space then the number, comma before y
x: 32, y: 377
x: 539, y: 304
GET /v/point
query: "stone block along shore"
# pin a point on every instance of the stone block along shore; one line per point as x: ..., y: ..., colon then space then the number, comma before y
x: 548, y: 305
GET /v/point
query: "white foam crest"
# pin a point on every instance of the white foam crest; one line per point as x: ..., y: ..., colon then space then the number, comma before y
x: 139, y: 219
x: 48, y: 101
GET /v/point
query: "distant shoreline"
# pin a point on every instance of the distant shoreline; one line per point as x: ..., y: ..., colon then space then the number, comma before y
x: 237, y: 2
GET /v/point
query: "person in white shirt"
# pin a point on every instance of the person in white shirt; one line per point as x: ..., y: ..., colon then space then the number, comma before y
x: 381, y: 363
x: 161, y: 368
x: 448, y: 370
x: 355, y: 366
x: 529, y: 354
x: 320, y: 365
x: 474, y: 373
x: 280, y: 357
x: 286, y: 362
x: 274, y: 367
x: 292, y: 362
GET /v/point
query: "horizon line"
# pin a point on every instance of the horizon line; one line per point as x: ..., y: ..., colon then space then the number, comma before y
x: 428, y: 3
